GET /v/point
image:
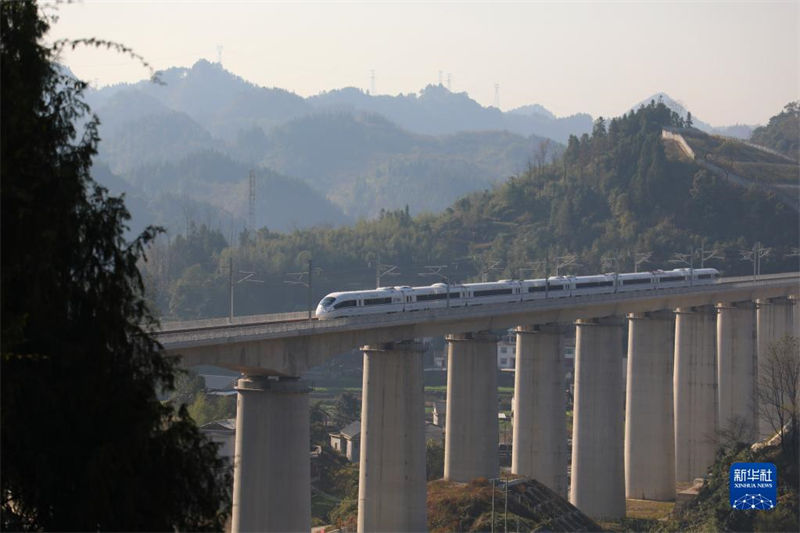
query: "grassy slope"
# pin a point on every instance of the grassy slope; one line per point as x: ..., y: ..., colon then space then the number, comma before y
x: 748, y: 162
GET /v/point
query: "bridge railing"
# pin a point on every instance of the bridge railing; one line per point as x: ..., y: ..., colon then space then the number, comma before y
x: 237, y: 321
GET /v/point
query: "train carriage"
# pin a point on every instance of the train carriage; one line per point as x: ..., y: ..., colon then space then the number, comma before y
x: 597, y: 284
x: 505, y: 291
x: 442, y: 295
x: 553, y: 287
x: 356, y: 303
x: 438, y: 295
x: 636, y: 281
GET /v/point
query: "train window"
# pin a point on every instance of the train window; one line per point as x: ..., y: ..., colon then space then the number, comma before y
x: 455, y: 295
x: 377, y: 301
x: 673, y: 278
x: 345, y: 303
x: 427, y: 297
x: 328, y: 300
x: 640, y: 281
x: 705, y: 276
x: 492, y: 292
x: 549, y: 288
x: 592, y: 284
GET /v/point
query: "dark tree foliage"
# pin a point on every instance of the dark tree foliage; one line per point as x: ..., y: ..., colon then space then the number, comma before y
x: 434, y: 460
x: 319, y: 425
x: 86, y: 444
x: 347, y: 409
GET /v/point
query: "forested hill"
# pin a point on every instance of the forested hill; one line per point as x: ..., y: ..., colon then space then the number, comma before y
x: 614, y: 193
x: 783, y: 132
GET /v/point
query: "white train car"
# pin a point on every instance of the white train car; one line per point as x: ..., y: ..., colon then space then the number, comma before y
x: 553, y: 287
x: 505, y: 291
x: 442, y: 295
x: 636, y: 281
x: 438, y: 295
x: 597, y: 284
x: 681, y: 277
x: 356, y: 303
x: 704, y: 276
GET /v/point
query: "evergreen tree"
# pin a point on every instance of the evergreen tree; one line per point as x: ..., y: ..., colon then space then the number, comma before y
x: 347, y: 409
x: 86, y: 444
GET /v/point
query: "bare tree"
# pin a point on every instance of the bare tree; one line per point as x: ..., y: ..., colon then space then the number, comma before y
x: 735, y: 431
x: 779, y: 391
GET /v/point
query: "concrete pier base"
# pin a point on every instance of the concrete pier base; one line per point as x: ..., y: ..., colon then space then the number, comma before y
x: 471, y: 429
x: 736, y: 370
x: 540, y: 428
x: 598, y: 479
x: 649, y: 435
x: 774, y: 320
x: 272, y: 469
x: 695, y: 392
x: 392, y: 483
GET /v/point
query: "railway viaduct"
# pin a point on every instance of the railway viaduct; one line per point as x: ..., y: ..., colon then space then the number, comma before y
x: 693, y: 358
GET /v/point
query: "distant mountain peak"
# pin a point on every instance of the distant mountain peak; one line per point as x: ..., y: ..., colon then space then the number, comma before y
x: 532, y: 110
x: 436, y: 92
x: 667, y: 100
x: 677, y: 106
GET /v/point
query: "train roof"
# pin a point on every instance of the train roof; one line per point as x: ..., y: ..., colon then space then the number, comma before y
x: 365, y: 292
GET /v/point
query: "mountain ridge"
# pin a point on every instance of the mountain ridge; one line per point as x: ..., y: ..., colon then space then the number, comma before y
x: 740, y: 131
x: 365, y: 153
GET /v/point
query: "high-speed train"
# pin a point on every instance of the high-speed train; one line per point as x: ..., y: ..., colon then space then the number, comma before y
x: 441, y: 295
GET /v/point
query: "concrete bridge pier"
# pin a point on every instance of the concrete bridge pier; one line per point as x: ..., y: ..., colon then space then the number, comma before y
x: 272, y: 470
x: 392, y: 483
x: 540, y: 426
x: 649, y: 435
x: 774, y: 320
x: 736, y: 369
x: 598, y: 478
x: 695, y: 391
x: 471, y: 429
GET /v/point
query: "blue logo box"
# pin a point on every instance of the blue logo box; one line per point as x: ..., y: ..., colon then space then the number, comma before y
x: 753, y: 486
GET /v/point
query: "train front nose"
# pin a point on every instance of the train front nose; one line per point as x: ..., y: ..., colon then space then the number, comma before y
x: 325, y: 307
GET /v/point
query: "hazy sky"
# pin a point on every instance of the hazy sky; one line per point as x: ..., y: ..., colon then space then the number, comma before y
x: 727, y: 62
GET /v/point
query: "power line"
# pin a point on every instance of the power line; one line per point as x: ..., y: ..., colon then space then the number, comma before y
x: 304, y: 279
x: 708, y: 255
x: 755, y: 255
x: 247, y: 279
x: 640, y: 258
x: 384, y: 270
x: 495, y: 265
x: 565, y: 261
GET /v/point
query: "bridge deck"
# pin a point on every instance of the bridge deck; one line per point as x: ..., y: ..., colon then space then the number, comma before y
x: 289, y: 342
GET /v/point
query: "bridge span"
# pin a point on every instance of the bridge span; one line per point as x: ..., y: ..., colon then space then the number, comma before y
x: 693, y: 360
